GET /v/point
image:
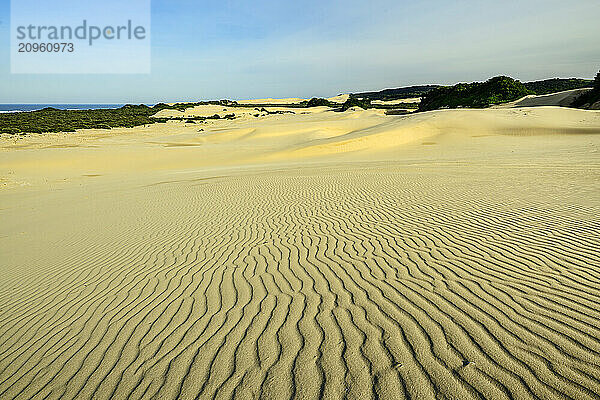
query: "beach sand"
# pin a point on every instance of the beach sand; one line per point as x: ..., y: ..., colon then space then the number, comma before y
x: 449, y: 254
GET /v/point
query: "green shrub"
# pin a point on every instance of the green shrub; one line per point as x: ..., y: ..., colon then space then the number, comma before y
x: 354, y: 102
x: 318, y: 102
x: 496, y: 90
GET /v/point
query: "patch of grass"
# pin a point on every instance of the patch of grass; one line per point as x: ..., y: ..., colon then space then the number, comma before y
x: 318, y: 102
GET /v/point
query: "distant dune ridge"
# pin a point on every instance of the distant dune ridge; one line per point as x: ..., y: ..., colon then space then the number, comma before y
x: 499, y: 91
x: 337, y: 99
x: 306, y: 254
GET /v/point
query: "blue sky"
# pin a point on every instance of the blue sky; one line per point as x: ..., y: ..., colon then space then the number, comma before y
x: 240, y: 49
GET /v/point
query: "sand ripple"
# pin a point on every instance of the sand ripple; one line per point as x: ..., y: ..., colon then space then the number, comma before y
x: 383, y: 282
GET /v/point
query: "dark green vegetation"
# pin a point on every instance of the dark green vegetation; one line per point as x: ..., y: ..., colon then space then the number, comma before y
x: 54, y: 120
x: 555, y: 85
x: 401, y: 106
x: 318, y: 102
x: 354, y: 102
x: 396, y: 94
x: 536, y: 87
x: 588, y: 99
x: 397, y: 112
x: 193, y: 120
x: 267, y: 112
x: 500, y: 89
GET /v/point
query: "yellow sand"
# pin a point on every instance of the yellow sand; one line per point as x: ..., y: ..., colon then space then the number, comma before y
x: 449, y: 254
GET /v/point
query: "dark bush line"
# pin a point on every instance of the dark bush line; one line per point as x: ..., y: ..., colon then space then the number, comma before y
x: 195, y: 119
x: 53, y: 120
x: 535, y: 87
x: 397, y: 112
x: 401, y: 106
x: 396, y: 94
x: 500, y: 89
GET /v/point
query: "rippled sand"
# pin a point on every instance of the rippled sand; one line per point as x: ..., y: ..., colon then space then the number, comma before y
x: 452, y: 254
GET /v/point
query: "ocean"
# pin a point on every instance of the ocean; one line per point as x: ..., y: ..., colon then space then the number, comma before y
x: 32, y: 107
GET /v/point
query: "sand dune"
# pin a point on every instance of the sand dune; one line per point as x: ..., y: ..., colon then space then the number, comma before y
x: 341, y: 98
x: 562, y: 99
x: 314, y: 135
x: 449, y: 254
x: 290, y: 100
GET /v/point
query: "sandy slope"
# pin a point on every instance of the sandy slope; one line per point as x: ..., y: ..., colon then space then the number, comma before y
x: 563, y: 99
x: 450, y: 254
